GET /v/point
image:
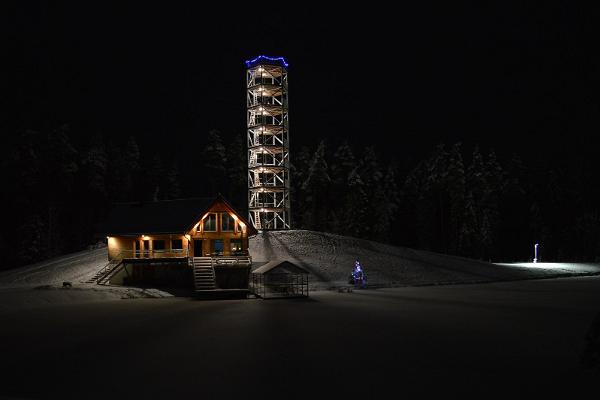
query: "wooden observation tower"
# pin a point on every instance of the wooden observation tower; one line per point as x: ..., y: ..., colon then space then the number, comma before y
x: 268, y: 143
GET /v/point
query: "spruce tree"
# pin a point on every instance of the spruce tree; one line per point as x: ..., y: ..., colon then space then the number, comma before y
x: 214, y: 163
x: 356, y: 206
x: 316, y: 192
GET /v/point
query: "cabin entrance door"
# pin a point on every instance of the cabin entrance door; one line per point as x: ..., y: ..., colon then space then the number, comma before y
x: 197, y: 247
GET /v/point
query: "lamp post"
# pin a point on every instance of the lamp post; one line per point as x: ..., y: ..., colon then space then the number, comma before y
x: 536, y: 252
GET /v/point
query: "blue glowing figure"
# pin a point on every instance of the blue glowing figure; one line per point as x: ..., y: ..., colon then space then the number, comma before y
x: 359, y: 278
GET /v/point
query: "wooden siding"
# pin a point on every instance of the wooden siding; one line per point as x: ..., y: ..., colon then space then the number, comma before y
x: 120, y: 247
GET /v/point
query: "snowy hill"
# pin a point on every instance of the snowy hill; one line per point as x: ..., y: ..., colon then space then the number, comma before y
x: 330, y: 259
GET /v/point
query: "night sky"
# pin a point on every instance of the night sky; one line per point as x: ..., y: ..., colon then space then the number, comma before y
x: 512, y: 78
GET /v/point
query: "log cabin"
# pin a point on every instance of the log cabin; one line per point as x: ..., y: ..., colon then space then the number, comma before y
x: 200, y: 242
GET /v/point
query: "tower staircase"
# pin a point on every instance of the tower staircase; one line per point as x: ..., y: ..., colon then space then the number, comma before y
x: 257, y: 223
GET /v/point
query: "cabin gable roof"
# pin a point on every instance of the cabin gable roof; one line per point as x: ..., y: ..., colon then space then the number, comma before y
x: 162, y: 217
x: 280, y: 267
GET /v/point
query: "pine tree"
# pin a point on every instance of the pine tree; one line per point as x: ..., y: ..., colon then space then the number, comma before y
x: 130, y: 169
x: 32, y: 240
x: 514, y: 211
x: 237, y: 160
x: 476, y: 193
x: 385, y: 206
x: 495, y: 182
x: 316, y: 192
x: 94, y: 165
x: 154, y: 178
x: 433, y: 209
x: 172, y: 186
x: 92, y: 190
x: 371, y: 176
x: 214, y: 162
x: 343, y: 164
x: 60, y: 168
x: 456, y: 191
x: 299, y: 167
x: 356, y: 205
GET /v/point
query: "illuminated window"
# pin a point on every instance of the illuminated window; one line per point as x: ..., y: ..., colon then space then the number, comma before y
x: 210, y: 223
x: 235, y: 246
x: 227, y: 222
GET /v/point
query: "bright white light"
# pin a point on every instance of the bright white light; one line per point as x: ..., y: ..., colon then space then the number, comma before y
x: 556, y: 267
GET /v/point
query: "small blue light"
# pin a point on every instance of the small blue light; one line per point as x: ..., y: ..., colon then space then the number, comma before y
x: 281, y: 59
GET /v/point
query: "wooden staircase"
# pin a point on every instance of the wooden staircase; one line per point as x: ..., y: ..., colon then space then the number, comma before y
x: 204, y: 273
x: 257, y: 223
x: 105, y: 273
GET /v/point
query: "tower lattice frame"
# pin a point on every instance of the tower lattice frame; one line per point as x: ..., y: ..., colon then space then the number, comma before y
x: 268, y: 143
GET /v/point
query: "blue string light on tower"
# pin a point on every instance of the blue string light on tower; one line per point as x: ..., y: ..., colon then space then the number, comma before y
x: 268, y: 143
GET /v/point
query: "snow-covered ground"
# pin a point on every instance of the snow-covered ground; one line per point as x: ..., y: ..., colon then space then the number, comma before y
x: 42, y: 283
x: 329, y: 258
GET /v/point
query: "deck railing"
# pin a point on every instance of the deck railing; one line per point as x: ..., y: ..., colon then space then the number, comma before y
x: 154, y: 254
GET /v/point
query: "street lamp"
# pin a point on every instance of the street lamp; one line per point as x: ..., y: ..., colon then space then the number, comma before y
x: 536, y: 252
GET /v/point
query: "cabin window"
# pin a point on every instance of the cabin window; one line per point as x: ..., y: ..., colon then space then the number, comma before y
x: 227, y: 222
x: 218, y: 247
x: 158, y: 245
x: 235, y: 246
x: 177, y: 245
x: 210, y: 223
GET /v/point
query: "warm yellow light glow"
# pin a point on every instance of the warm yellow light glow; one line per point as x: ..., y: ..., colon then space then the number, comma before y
x: 233, y: 216
x: 108, y: 237
x: 188, y: 237
x: 144, y: 237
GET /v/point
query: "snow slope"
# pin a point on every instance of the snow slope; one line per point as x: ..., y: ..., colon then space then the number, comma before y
x: 74, y: 267
x: 41, y: 283
x: 330, y: 259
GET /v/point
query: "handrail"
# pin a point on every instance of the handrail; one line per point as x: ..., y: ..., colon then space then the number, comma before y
x: 153, y: 254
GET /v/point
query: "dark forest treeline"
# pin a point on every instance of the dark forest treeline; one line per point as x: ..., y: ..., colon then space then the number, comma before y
x: 56, y: 192
x: 457, y: 201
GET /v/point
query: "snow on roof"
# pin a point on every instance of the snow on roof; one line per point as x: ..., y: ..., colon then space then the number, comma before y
x: 282, y: 266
